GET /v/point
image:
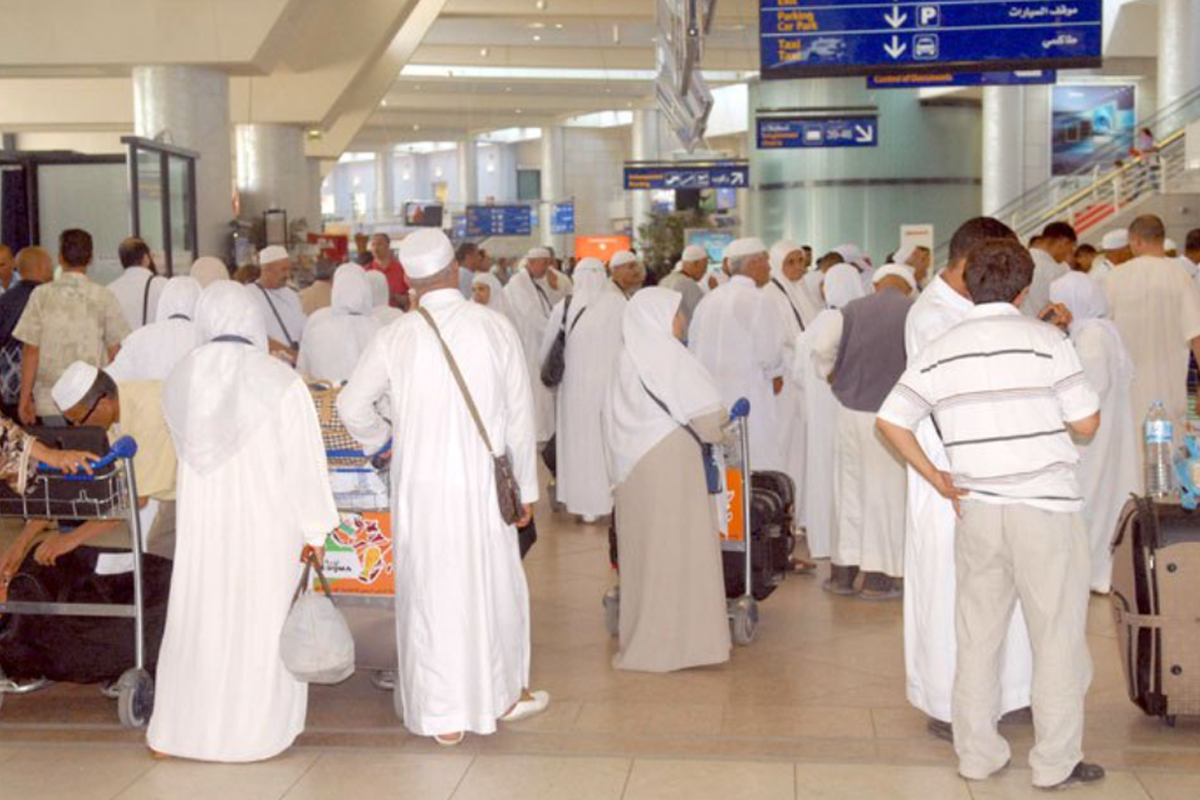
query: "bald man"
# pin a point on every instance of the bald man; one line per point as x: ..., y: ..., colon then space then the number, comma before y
x: 35, y: 267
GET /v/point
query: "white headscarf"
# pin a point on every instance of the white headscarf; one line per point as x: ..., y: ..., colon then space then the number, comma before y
x: 1085, y: 299
x: 811, y: 284
x: 496, y: 299
x: 377, y: 281
x: 207, y: 270
x: 796, y: 291
x: 590, y: 280
x: 843, y: 284
x: 336, y: 337
x: 352, y: 293
x: 178, y: 300
x: 652, y: 358
x: 223, y: 392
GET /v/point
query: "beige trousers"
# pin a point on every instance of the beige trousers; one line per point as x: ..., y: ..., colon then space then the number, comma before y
x: 1003, y: 553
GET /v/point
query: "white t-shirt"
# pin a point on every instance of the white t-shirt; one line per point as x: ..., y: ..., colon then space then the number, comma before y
x: 130, y: 290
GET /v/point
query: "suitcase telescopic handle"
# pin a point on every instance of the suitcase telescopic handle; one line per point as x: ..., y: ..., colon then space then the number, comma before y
x: 125, y: 447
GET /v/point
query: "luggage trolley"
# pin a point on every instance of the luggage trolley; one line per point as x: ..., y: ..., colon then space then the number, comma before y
x: 742, y: 610
x: 110, y: 493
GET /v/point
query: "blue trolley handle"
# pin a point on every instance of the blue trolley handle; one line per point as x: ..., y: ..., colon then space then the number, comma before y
x: 125, y: 447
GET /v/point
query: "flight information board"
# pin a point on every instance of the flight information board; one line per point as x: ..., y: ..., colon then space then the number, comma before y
x: 799, y: 132
x: 499, y: 221
x: 562, y: 218
x: 684, y: 176
x: 813, y: 38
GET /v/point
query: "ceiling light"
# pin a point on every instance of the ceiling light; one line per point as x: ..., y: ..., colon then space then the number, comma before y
x: 416, y: 127
x: 383, y: 102
x: 508, y: 88
x: 537, y: 37
x: 519, y: 111
x: 540, y: 5
x: 558, y: 26
x: 537, y: 26
x: 483, y: 51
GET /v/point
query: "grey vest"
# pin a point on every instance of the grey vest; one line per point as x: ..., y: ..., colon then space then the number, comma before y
x: 871, y: 357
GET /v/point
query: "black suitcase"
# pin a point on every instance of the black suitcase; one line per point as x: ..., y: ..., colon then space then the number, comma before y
x: 81, y: 649
x: 61, y: 497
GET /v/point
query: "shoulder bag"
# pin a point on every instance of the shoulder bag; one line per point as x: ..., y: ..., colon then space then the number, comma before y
x: 708, y: 452
x: 556, y: 360
x: 508, y: 492
x: 316, y: 644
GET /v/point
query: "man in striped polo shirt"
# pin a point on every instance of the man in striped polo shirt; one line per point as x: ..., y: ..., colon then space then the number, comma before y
x: 1006, y: 392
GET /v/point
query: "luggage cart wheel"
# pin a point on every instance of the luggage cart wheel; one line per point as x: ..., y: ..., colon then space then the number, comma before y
x: 743, y: 620
x: 1169, y: 719
x: 135, y: 698
x: 612, y: 611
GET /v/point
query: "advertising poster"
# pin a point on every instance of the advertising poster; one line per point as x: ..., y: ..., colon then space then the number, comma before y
x: 358, y: 555
x: 1088, y: 119
x: 601, y: 247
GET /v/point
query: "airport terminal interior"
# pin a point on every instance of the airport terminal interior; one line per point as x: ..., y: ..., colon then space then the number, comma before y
x: 625, y: 141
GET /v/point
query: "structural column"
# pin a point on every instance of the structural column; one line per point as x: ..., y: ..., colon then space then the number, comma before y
x: 387, y: 205
x: 1003, y: 146
x: 646, y: 147
x: 189, y: 107
x: 1178, y: 53
x: 468, y: 172
x: 554, y: 187
x: 273, y: 172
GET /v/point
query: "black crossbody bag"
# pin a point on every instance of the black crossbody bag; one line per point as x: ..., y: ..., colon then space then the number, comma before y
x: 708, y: 452
x: 555, y: 364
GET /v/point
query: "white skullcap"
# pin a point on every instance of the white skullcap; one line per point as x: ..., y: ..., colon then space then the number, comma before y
x: 538, y: 252
x: 73, y: 385
x: 694, y: 252
x: 621, y: 259
x: 904, y: 253
x: 1115, y: 240
x: 269, y: 255
x: 1169, y: 244
x: 748, y: 246
x: 903, y: 271
x: 426, y: 253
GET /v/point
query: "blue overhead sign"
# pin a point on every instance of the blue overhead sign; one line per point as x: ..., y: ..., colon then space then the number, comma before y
x: 562, y: 218
x: 921, y: 80
x: 809, y: 38
x: 687, y: 176
x: 499, y: 221
x: 786, y: 132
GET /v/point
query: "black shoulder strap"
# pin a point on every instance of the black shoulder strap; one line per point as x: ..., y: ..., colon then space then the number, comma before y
x: 686, y: 426
x: 146, y: 299
x: 546, y: 304
x: 788, y: 297
x: 286, y: 333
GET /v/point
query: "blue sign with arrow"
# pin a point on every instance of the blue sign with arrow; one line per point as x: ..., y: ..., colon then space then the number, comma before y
x: 499, y: 221
x: 809, y: 38
x: 800, y: 132
x: 687, y: 176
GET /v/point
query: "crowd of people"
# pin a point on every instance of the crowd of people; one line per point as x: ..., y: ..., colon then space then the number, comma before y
x: 962, y: 440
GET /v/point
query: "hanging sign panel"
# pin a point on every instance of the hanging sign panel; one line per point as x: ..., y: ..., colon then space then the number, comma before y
x: 499, y: 221
x: 814, y: 38
x: 799, y: 132
x: 640, y: 177
x: 562, y: 218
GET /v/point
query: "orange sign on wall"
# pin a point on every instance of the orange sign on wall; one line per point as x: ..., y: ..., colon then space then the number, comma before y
x: 601, y: 247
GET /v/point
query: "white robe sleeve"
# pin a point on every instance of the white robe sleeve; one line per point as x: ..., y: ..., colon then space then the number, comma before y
x: 1093, y: 357
x: 304, y: 468
x: 356, y: 401
x: 769, y: 340
x: 827, y: 340
x: 521, y: 434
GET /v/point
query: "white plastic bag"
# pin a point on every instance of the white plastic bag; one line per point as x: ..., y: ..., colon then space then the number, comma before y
x: 316, y: 644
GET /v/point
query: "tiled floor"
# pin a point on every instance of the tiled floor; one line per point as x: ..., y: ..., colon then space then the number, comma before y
x: 814, y: 708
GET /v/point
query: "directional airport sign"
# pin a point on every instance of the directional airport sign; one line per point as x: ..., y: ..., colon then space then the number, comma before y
x: 499, y: 221
x: 811, y: 38
x: 672, y: 175
x: 562, y: 218
x: 915, y: 80
x: 806, y: 132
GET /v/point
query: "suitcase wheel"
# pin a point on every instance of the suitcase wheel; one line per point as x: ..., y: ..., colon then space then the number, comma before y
x: 743, y: 620
x: 612, y: 611
x: 135, y: 698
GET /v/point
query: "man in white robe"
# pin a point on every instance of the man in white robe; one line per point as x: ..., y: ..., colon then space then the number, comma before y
x: 253, y: 491
x: 462, y: 604
x: 152, y: 351
x: 531, y: 295
x: 279, y: 303
x: 929, y: 581
x: 593, y: 325
x: 738, y: 336
x: 1051, y: 255
x: 335, y: 337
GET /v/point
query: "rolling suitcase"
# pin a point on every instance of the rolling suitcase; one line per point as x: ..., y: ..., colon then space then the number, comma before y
x: 772, y: 499
x: 1156, y: 606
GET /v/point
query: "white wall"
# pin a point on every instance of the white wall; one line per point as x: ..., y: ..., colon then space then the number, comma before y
x: 90, y: 143
x: 595, y: 158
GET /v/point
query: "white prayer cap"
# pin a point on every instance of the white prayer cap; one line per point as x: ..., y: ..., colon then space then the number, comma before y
x: 538, y: 252
x: 426, y: 253
x: 903, y: 271
x: 1169, y: 244
x: 748, y: 246
x: 269, y: 255
x: 694, y: 252
x: 1115, y: 240
x: 904, y: 253
x: 73, y: 385
x: 621, y: 259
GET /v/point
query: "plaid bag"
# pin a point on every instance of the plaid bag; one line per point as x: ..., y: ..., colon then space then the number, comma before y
x: 341, y: 449
x: 10, y: 373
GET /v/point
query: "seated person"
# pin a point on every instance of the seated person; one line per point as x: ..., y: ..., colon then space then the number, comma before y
x: 88, y: 396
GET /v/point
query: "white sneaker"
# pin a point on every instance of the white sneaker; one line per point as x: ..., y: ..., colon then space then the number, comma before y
x: 588, y: 519
x: 528, y: 708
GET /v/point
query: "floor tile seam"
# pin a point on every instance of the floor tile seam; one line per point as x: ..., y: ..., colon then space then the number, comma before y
x: 463, y: 777
x: 628, y: 778
x: 311, y: 766
x: 145, y: 770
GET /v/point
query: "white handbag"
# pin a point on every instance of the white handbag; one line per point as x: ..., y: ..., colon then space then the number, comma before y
x: 316, y: 644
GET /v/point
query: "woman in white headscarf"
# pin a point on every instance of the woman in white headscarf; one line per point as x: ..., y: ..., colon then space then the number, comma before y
x: 207, y: 270
x: 842, y: 284
x: 152, y: 351
x: 672, y: 583
x: 1108, y: 463
x: 336, y: 336
x: 253, y: 490
x: 487, y: 290
x: 381, y: 309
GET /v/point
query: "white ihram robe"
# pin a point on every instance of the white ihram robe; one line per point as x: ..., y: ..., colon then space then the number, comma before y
x: 929, y: 577
x: 1108, y: 462
x: 821, y: 408
x: 737, y: 335
x: 152, y: 351
x: 336, y: 336
x: 462, y: 604
x: 593, y: 343
x: 253, y: 489
x: 530, y: 303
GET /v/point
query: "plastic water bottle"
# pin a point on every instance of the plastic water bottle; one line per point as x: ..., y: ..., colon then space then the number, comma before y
x: 1158, y: 435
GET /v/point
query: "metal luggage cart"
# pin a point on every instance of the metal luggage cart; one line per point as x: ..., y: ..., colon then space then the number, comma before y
x: 108, y: 494
x: 743, y: 610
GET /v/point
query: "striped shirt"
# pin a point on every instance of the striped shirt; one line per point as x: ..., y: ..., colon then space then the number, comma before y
x: 1001, y: 387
